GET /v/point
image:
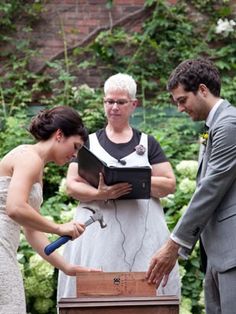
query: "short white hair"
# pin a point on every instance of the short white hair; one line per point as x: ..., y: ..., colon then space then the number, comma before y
x: 121, y: 82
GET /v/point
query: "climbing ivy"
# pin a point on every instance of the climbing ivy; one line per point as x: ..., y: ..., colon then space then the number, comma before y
x: 169, y: 34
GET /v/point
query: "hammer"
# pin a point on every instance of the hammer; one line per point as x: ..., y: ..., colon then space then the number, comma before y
x: 97, y: 216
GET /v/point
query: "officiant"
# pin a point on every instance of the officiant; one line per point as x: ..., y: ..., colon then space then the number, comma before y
x: 136, y: 228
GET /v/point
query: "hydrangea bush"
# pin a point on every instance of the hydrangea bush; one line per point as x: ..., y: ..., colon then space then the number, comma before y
x: 175, y: 206
x: 168, y: 36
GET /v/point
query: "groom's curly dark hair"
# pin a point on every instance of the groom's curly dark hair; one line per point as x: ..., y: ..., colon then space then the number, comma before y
x: 193, y: 72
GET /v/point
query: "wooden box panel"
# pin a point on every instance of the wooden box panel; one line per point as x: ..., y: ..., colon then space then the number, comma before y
x: 113, y: 284
x: 120, y: 305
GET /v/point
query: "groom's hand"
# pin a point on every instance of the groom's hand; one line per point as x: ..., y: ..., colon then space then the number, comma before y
x: 162, y: 262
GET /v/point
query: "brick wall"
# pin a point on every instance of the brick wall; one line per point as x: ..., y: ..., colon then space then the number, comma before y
x: 76, y: 21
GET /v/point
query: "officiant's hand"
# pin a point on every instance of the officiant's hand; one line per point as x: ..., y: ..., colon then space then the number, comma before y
x: 110, y: 192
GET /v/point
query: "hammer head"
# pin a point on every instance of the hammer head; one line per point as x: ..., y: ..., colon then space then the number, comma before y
x: 97, y: 216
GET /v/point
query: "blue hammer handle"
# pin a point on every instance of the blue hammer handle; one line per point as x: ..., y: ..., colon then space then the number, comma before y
x: 56, y: 244
x: 62, y: 240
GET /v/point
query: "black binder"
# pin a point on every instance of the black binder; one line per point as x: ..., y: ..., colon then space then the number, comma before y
x: 140, y: 177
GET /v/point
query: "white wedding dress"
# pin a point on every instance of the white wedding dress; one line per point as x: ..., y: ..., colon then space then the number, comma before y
x: 12, y: 296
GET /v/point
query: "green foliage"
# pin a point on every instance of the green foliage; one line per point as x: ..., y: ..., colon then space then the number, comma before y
x: 18, y: 85
x: 89, y: 103
x: 175, y: 206
x: 169, y: 34
x: 207, y: 5
x: 16, y: 80
x: 59, y: 206
x: 15, y: 132
x: 178, y: 135
x: 10, y: 11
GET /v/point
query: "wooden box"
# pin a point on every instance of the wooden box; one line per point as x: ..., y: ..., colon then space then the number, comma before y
x: 120, y: 305
x: 113, y: 284
x: 117, y: 293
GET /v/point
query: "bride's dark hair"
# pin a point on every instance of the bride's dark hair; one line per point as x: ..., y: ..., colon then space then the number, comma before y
x: 65, y: 118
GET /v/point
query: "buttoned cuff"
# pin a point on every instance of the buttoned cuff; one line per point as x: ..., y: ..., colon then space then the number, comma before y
x: 183, y: 253
x: 184, y: 250
x: 180, y: 242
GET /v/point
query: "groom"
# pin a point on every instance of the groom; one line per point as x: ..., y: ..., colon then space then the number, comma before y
x: 211, y: 214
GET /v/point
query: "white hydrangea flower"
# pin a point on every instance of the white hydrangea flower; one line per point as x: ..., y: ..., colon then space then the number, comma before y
x: 187, y: 186
x: 225, y: 26
x: 167, y: 201
x: 40, y: 266
x: 62, y: 187
x: 183, y: 210
x: 66, y: 216
x: 19, y: 256
x: 74, y: 89
x: 201, y: 301
x: 75, y: 93
x: 182, y: 271
x: 185, y: 306
x: 36, y: 286
x: 86, y: 88
x: 188, y: 168
x: 22, y: 236
x: 43, y: 305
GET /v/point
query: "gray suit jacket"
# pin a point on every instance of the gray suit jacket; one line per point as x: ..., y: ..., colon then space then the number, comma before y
x: 211, y: 212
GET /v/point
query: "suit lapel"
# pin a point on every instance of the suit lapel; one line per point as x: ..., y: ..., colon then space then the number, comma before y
x: 204, y: 148
x: 222, y: 106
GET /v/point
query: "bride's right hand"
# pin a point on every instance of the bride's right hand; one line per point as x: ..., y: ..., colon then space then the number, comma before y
x: 73, y: 229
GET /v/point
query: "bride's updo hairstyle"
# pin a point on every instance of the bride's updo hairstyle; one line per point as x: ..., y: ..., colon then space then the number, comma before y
x: 65, y: 118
